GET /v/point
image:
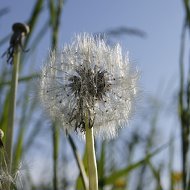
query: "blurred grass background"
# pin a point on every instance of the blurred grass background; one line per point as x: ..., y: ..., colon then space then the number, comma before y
x: 137, y: 160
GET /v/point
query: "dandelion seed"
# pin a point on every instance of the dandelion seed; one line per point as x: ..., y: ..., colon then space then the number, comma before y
x: 18, y: 176
x: 14, y: 178
x: 5, y: 177
x: 89, y: 76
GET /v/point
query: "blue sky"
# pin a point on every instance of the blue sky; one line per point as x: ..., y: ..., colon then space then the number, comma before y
x: 156, y: 56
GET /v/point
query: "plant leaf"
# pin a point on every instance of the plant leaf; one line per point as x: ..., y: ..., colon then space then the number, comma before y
x: 123, y: 172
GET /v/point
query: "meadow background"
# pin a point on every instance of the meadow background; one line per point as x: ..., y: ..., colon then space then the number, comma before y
x: 152, y: 151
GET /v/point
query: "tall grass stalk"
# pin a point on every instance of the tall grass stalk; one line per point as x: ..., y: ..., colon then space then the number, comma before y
x: 55, y: 138
x: 55, y: 8
x: 12, y: 106
x: 184, y: 105
x: 91, y: 157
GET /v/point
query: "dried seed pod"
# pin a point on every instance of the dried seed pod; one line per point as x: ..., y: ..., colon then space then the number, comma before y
x: 20, y: 27
x: 20, y: 30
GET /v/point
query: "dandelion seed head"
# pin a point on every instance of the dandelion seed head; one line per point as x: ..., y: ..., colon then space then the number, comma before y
x: 89, y: 76
x: 5, y: 177
x: 14, y: 177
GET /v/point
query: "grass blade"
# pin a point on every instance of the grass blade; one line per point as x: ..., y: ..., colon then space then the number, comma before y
x: 123, y: 172
x: 79, y: 163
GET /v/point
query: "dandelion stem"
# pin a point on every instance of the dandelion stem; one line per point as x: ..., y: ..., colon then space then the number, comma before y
x: 12, y: 105
x: 91, y: 157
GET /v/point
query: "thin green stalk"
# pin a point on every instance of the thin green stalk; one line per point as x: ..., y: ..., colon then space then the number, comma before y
x: 55, y: 16
x: 79, y: 163
x: 91, y: 157
x: 55, y: 138
x: 183, y: 112
x: 21, y: 79
x: 12, y: 106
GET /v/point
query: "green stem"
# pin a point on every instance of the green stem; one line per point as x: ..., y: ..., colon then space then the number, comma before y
x: 79, y: 163
x: 55, y: 138
x: 91, y: 157
x: 12, y: 106
x: 55, y: 16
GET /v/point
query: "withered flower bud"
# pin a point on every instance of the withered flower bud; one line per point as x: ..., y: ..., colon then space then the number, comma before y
x: 20, y: 31
x: 1, y: 136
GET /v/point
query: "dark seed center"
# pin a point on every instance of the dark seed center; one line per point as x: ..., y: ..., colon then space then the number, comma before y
x: 88, y: 82
x: 88, y: 85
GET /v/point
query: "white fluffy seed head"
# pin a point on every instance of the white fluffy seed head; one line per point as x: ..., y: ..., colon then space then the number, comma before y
x: 89, y: 76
